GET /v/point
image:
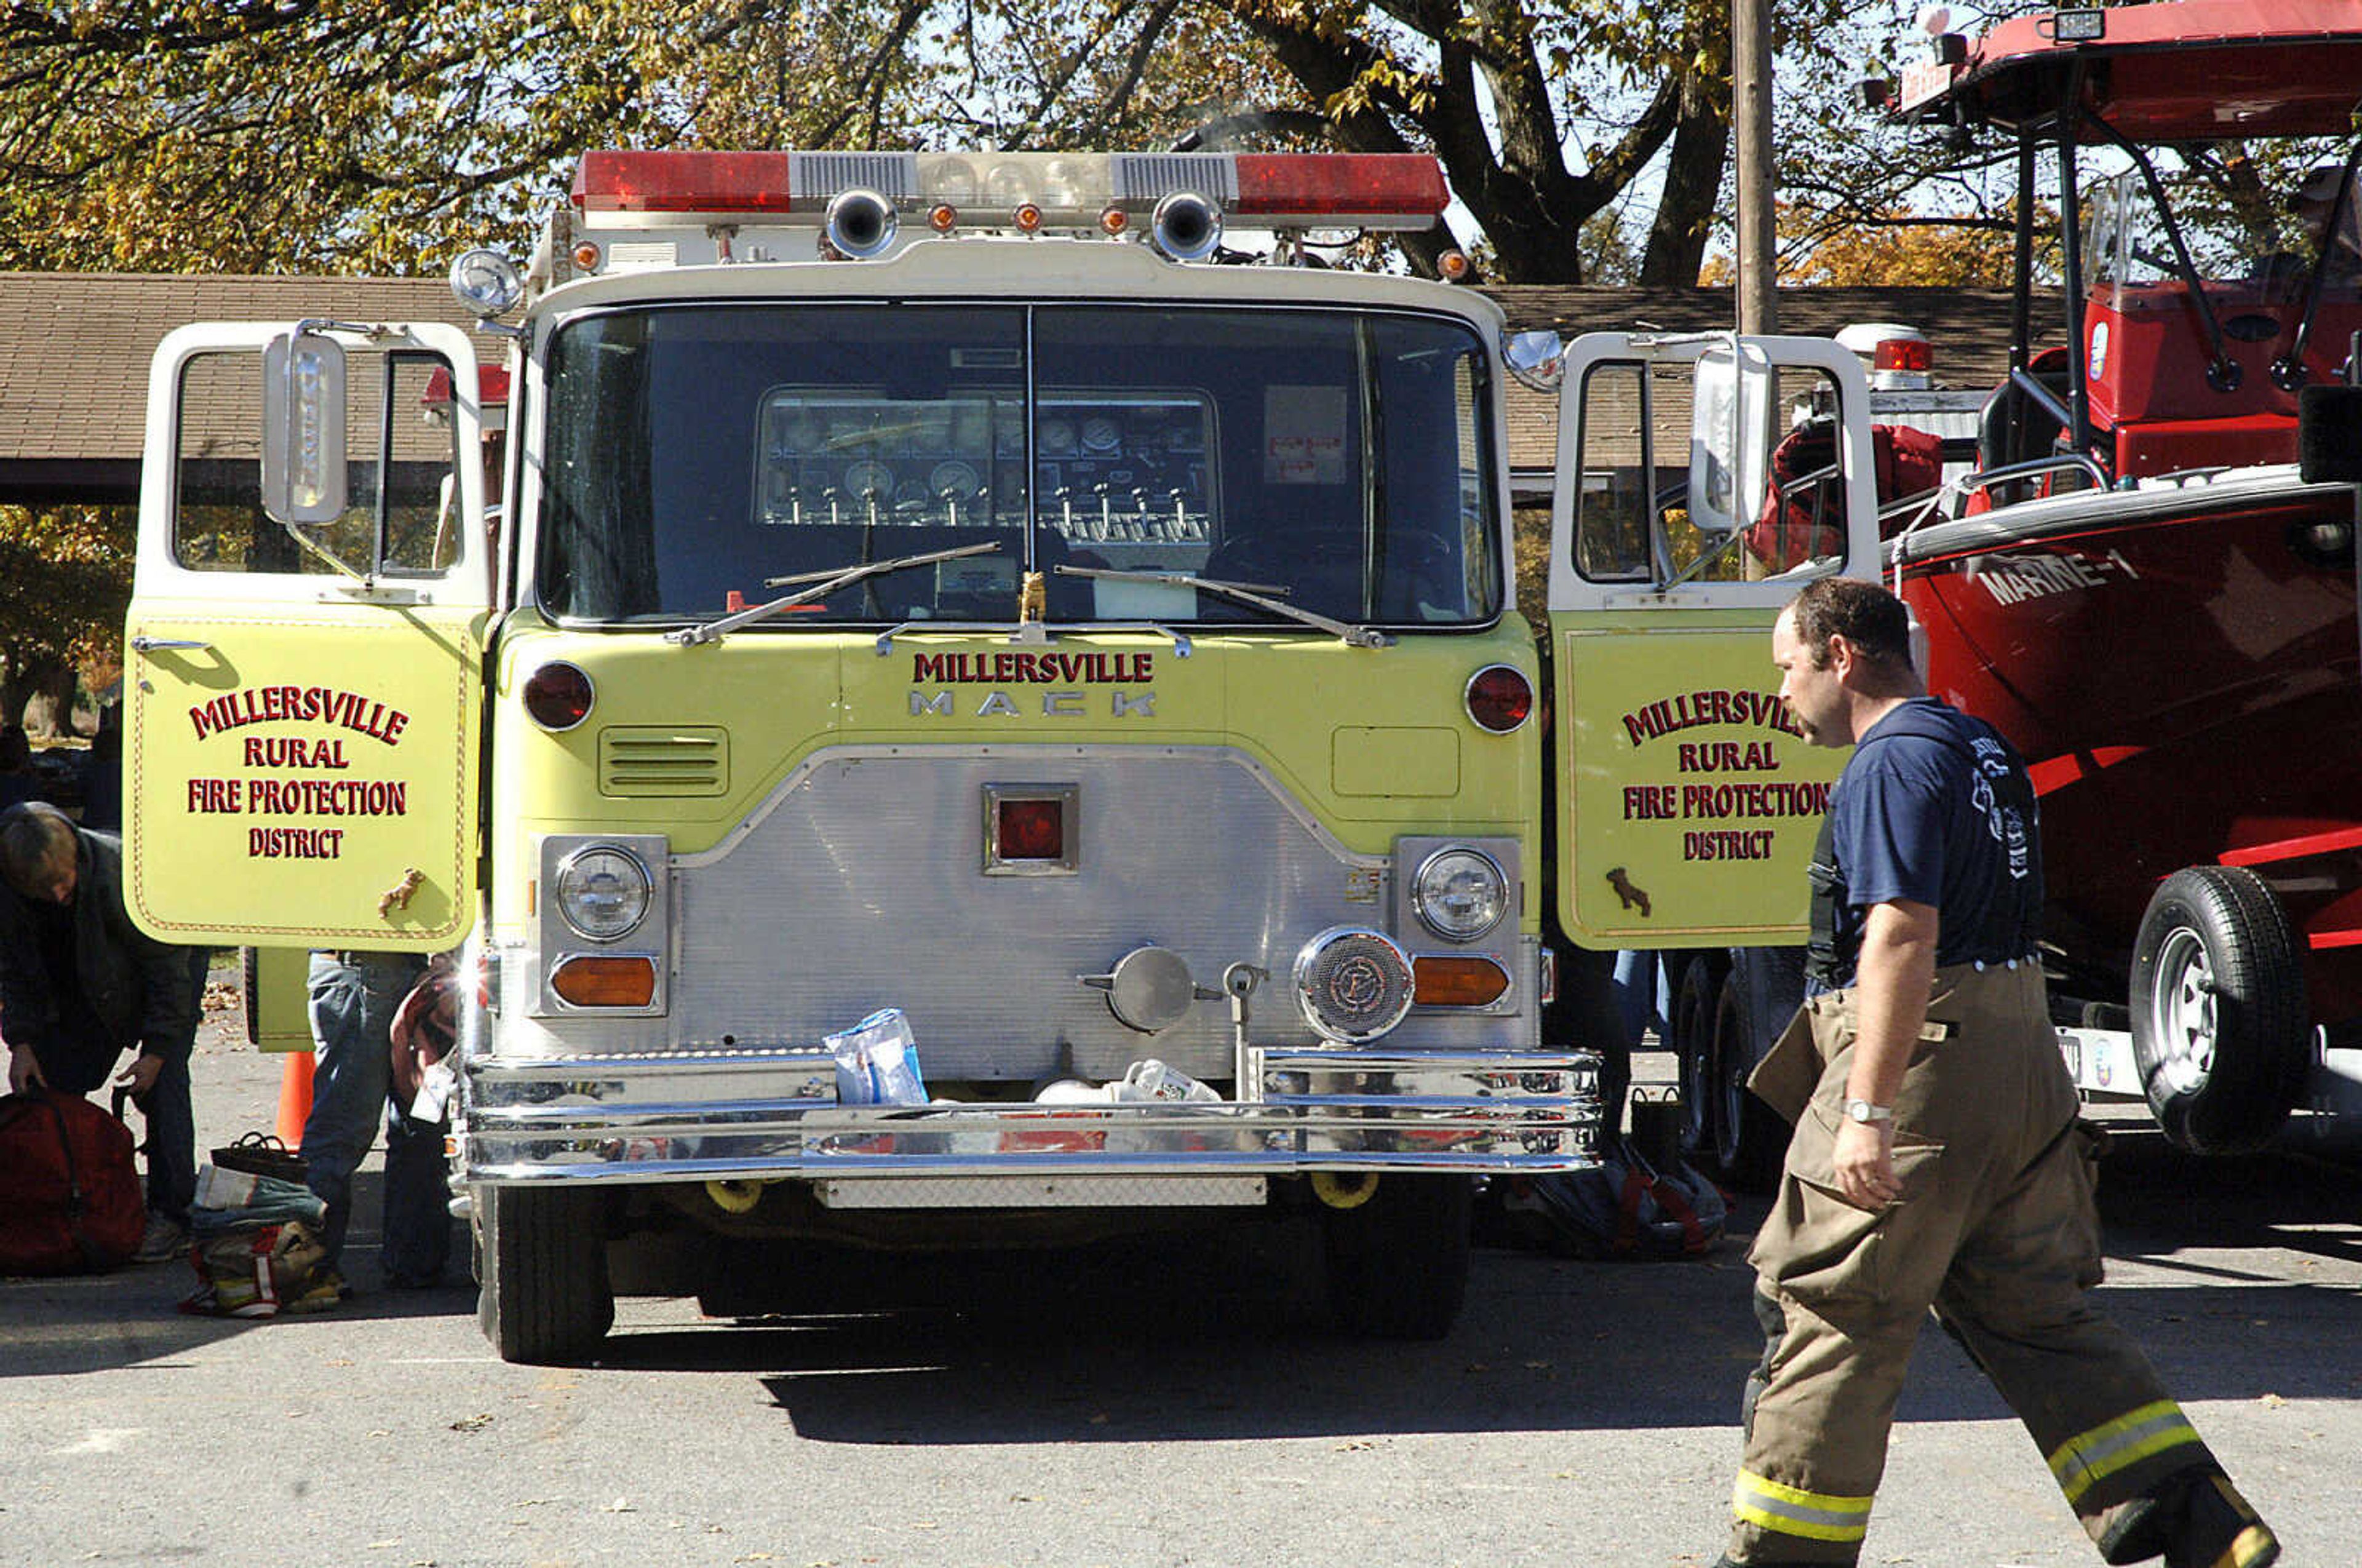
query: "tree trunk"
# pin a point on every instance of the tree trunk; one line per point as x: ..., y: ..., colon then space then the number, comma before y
x: 1686, y: 213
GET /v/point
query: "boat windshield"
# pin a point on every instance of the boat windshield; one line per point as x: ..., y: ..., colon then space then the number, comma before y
x: 1340, y: 462
x: 2255, y: 248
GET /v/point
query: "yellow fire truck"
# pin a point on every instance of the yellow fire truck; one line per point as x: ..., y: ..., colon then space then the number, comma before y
x: 940, y: 583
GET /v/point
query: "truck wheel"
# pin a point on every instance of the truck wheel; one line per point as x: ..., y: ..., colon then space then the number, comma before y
x: 2221, y: 1027
x: 1759, y: 995
x: 1689, y: 1019
x: 541, y: 1268
x: 1398, y: 1261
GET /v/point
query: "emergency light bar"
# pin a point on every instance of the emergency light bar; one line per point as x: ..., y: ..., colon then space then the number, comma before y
x: 1044, y: 190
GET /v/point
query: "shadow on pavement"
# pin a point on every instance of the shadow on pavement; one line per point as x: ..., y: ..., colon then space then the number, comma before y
x: 1116, y: 1344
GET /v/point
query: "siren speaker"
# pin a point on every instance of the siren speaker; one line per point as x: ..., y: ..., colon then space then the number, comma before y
x: 860, y: 223
x: 1186, y: 226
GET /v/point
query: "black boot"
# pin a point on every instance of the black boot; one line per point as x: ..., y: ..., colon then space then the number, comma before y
x: 2219, y: 1529
x: 2195, y: 1519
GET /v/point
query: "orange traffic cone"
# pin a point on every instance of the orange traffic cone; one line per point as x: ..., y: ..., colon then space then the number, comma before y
x: 294, y: 1097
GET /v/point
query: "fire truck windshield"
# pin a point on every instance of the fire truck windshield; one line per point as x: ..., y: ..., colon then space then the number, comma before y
x: 1338, y: 461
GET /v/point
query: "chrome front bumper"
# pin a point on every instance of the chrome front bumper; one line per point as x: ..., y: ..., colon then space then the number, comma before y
x: 768, y: 1115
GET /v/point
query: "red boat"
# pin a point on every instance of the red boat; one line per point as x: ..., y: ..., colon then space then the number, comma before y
x: 2139, y: 586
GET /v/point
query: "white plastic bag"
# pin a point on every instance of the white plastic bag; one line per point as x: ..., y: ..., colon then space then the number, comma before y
x: 1151, y: 1080
x: 878, y: 1062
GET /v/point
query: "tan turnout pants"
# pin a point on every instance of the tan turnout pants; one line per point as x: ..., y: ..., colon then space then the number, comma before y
x: 1996, y: 1232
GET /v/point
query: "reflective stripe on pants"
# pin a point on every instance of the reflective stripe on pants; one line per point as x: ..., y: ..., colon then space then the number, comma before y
x: 2094, y: 1455
x: 1791, y: 1510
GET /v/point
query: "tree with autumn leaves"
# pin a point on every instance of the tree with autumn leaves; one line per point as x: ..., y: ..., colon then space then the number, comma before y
x: 379, y: 136
x: 68, y: 575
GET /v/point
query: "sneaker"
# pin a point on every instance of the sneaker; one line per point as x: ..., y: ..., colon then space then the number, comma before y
x: 164, y: 1240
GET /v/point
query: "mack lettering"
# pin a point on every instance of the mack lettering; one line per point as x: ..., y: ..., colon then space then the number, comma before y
x: 1055, y: 705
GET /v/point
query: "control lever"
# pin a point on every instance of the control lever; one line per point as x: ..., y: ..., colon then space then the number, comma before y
x: 1240, y: 981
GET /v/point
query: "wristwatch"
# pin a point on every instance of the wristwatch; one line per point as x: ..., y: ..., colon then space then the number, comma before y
x: 1862, y: 1110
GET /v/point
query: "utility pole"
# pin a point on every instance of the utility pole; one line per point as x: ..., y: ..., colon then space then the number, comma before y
x: 1750, y: 94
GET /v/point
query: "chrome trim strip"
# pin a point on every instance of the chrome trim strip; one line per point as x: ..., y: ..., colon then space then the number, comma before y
x: 1046, y: 1192
x: 767, y: 1115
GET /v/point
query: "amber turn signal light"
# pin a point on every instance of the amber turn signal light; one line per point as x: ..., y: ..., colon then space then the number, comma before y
x: 1457, y: 982
x: 605, y: 982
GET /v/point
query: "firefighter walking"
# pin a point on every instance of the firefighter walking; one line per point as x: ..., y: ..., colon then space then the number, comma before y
x: 1937, y: 1162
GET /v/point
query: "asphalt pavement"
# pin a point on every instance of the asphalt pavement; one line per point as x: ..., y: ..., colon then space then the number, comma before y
x: 1175, y: 1401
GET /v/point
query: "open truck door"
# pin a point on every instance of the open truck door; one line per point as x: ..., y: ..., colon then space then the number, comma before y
x: 304, y: 651
x: 1701, y: 481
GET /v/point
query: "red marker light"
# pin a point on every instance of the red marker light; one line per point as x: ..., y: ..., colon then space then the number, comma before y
x: 1032, y: 829
x: 558, y: 696
x: 1499, y: 698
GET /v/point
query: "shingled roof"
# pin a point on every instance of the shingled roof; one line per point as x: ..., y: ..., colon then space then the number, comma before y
x: 75, y: 348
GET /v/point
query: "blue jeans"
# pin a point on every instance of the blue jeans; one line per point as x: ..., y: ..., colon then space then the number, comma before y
x: 1640, y: 995
x: 353, y: 1000
x: 79, y: 1060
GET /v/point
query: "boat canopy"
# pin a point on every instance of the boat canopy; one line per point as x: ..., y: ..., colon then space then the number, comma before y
x: 2184, y: 71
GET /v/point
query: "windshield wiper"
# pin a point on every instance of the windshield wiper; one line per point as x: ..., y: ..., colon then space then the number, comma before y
x: 824, y: 583
x: 1258, y: 595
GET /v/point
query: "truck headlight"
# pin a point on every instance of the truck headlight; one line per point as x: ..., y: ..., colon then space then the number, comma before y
x: 1353, y: 983
x: 602, y: 891
x: 1460, y: 894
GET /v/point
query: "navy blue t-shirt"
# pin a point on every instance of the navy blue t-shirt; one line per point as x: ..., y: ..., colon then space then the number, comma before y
x: 1917, y: 818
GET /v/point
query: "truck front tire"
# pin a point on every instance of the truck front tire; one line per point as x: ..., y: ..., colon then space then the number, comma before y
x: 1397, y: 1262
x: 541, y: 1266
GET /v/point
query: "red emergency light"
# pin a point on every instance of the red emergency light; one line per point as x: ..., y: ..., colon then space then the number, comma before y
x: 1904, y: 354
x: 491, y: 387
x: 1069, y: 190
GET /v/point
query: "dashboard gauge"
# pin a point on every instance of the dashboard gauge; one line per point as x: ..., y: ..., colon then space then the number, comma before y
x: 956, y: 479
x: 869, y: 478
x: 1058, y: 436
x: 1101, y: 434
x: 911, y: 497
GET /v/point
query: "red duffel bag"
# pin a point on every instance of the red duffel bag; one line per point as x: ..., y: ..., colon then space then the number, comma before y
x: 70, y: 1197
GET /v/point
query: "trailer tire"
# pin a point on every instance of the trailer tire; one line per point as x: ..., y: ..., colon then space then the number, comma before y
x: 1759, y: 994
x: 1689, y: 1019
x: 1398, y: 1264
x: 2220, y: 1025
x: 543, y: 1296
